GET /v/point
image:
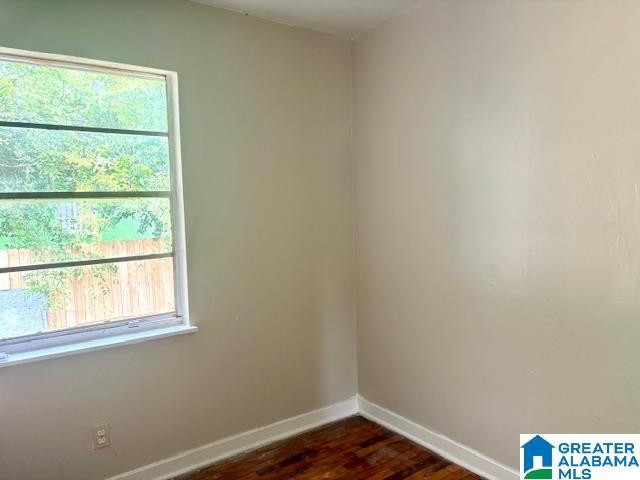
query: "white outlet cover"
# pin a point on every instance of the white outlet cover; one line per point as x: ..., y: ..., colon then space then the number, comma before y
x: 100, y: 436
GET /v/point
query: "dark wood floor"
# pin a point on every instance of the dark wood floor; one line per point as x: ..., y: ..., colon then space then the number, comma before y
x: 351, y: 449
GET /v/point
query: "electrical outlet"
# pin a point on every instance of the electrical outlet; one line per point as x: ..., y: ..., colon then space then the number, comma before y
x: 100, y: 434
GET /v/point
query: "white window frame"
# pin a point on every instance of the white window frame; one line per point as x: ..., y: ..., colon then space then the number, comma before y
x: 131, y: 330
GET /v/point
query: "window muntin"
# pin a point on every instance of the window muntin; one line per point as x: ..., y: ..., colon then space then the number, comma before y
x: 89, y: 201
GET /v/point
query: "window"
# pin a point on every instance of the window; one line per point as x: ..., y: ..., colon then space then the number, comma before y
x: 91, y: 227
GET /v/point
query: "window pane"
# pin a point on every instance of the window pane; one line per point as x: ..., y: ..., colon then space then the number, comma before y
x: 64, y: 96
x: 48, y: 300
x: 37, y: 231
x: 34, y: 160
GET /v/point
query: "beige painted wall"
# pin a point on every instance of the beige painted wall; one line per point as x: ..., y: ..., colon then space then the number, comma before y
x: 498, y: 218
x: 266, y: 113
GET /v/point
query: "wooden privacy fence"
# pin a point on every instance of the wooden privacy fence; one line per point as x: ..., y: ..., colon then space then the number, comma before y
x: 97, y: 293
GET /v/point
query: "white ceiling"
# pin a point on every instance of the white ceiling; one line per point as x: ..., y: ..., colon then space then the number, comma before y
x: 347, y: 18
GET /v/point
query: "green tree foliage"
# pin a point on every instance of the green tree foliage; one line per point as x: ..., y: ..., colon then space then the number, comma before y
x: 37, y: 160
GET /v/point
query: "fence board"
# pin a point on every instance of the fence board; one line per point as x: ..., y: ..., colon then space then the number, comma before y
x: 135, y: 288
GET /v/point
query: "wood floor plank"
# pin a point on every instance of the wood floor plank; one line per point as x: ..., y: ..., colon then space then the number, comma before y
x: 350, y: 449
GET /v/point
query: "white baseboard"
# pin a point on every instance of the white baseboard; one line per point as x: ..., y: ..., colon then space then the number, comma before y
x: 436, y: 442
x: 207, y: 454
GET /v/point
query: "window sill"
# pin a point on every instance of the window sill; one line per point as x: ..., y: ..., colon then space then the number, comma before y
x: 37, y: 354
